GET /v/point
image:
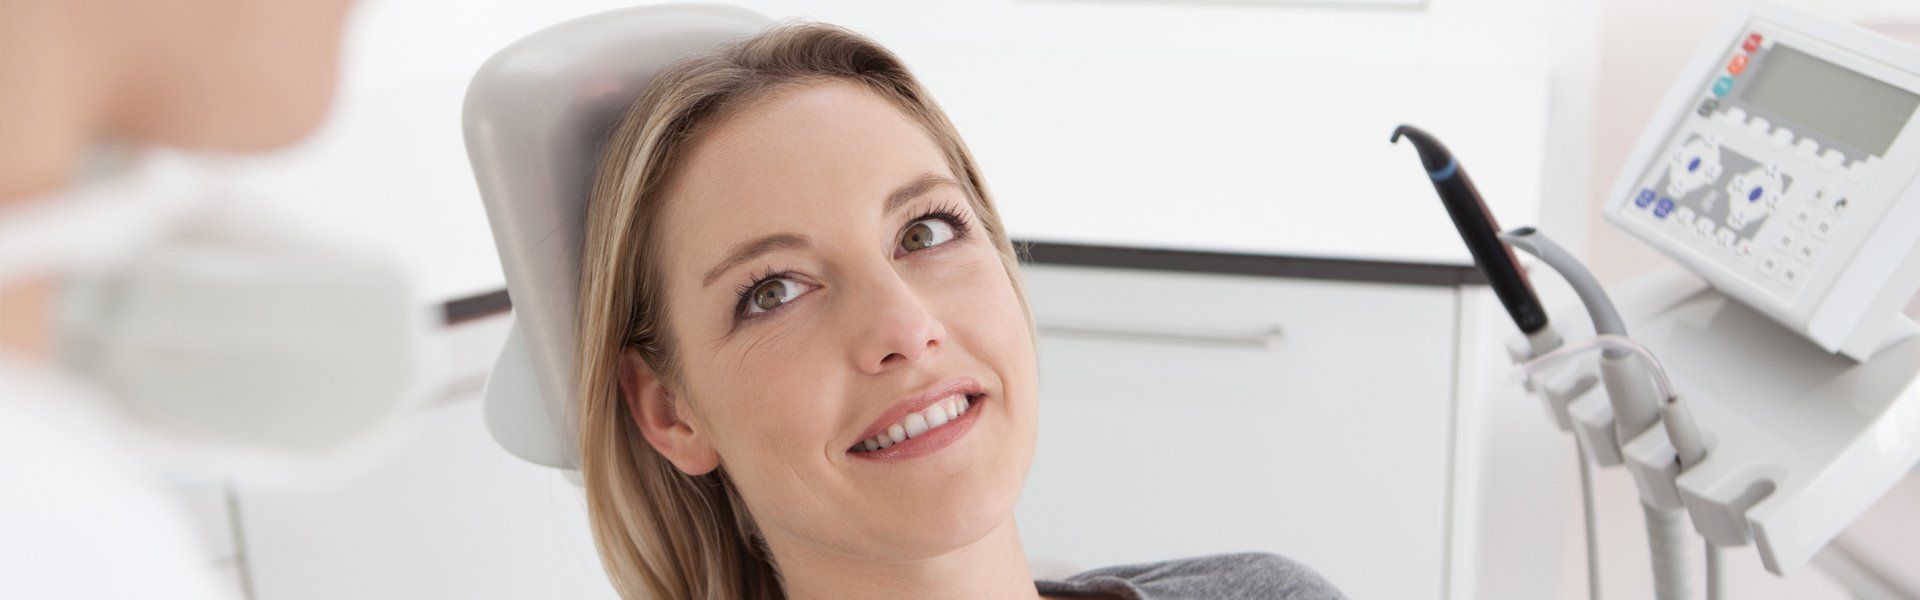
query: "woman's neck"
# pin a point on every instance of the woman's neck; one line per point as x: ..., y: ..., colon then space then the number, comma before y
x: 995, y: 566
x: 52, y: 106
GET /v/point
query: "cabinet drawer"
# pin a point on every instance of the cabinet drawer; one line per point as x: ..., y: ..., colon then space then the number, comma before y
x: 1185, y: 414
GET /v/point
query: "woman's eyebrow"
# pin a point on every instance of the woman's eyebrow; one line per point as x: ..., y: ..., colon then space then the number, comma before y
x: 895, y: 201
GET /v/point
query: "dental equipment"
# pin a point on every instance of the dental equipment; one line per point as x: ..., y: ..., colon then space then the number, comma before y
x: 1781, y: 170
x: 1637, y: 388
x: 1780, y: 173
x: 1625, y: 374
x: 1479, y: 231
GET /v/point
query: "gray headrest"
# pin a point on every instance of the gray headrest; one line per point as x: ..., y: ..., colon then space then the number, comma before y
x: 536, y: 116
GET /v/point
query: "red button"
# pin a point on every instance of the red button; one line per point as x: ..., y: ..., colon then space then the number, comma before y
x: 1739, y: 64
x: 1752, y: 44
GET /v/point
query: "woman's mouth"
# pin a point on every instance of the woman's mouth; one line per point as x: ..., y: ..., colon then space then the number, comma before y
x: 925, y: 431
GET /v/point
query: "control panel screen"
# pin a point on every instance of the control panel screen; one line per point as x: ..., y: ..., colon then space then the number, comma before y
x: 1851, y: 108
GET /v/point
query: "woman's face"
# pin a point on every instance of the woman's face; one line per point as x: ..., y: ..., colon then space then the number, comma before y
x: 796, y: 352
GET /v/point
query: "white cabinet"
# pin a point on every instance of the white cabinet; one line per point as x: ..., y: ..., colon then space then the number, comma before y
x: 1178, y: 434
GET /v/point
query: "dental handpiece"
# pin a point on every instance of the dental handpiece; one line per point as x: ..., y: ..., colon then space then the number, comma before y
x: 1478, y: 230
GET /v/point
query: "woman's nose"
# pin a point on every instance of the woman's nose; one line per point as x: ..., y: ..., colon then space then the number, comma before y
x: 896, y: 325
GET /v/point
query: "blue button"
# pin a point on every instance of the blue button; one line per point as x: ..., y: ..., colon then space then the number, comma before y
x: 1754, y: 196
x: 1693, y: 165
x: 1722, y: 85
x: 1643, y: 199
x: 1665, y: 206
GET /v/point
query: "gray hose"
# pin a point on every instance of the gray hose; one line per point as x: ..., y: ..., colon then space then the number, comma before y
x: 1631, y: 392
x: 1714, y: 584
x: 1630, y: 389
x: 1587, y: 517
x: 1605, y: 318
x: 1667, y: 543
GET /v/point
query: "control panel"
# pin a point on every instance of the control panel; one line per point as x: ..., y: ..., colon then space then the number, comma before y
x: 1776, y: 164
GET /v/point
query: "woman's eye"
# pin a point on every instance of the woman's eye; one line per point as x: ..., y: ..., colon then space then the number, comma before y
x: 773, y: 293
x: 926, y: 233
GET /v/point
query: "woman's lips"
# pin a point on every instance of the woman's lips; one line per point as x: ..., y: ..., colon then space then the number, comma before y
x: 919, y: 401
x: 933, y: 440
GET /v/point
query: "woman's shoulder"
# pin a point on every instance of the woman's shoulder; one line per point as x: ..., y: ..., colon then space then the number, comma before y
x: 1237, y: 576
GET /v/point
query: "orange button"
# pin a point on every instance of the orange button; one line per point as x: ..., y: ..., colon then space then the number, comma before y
x: 1739, y: 64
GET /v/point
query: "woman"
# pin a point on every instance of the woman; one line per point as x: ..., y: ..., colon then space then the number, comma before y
x: 806, y: 362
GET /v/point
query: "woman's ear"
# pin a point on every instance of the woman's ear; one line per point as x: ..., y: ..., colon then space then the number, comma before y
x: 662, y: 419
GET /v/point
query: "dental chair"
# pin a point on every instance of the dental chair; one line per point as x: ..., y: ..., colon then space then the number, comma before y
x: 536, y: 116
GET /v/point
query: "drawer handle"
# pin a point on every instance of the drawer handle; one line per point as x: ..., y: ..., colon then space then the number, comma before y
x: 1261, y: 339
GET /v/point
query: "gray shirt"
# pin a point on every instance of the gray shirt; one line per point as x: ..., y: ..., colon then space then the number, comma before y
x: 1238, y: 576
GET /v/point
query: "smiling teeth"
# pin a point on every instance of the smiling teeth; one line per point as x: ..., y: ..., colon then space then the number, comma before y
x: 917, y: 424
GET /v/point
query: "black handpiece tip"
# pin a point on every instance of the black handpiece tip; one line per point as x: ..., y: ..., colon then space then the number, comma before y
x: 1433, y: 155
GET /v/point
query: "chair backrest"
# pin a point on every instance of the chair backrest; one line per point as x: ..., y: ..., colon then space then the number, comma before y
x: 536, y: 116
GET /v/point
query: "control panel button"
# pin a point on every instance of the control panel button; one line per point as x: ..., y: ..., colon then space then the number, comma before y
x: 1704, y: 227
x: 1725, y: 237
x: 1782, y: 137
x: 1735, y: 116
x: 1759, y: 126
x: 1752, y: 43
x: 1752, y: 194
x: 1802, y: 218
x: 1805, y: 251
x: 1857, y: 170
x: 1838, y: 206
x: 1684, y: 216
x: 1768, y: 264
x: 1832, y: 159
x: 1693, y: 166
x: 1823, y: 226
x: 1807, y: 149
x: 1738, y: 64
x: 1789, y: 274
x: 1643, y: 199
x: 1722, y: 85
x: 1661, y: 209
x: 1785, y: 241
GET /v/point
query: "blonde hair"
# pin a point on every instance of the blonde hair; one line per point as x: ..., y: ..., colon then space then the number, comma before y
x: 663, y: 533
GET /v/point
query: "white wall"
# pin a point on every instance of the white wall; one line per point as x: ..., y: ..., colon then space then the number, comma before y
x: 1248, y: 127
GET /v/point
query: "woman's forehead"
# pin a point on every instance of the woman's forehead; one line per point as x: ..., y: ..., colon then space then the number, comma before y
x: 835, y: 137
x: 817, y: 156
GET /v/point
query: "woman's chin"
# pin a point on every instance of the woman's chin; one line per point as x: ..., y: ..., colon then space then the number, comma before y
x: 938, y: 530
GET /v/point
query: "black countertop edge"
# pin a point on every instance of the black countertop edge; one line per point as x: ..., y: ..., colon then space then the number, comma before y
x: 477, y: 306
x: 1260, y: 265
x: 486, y: 304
